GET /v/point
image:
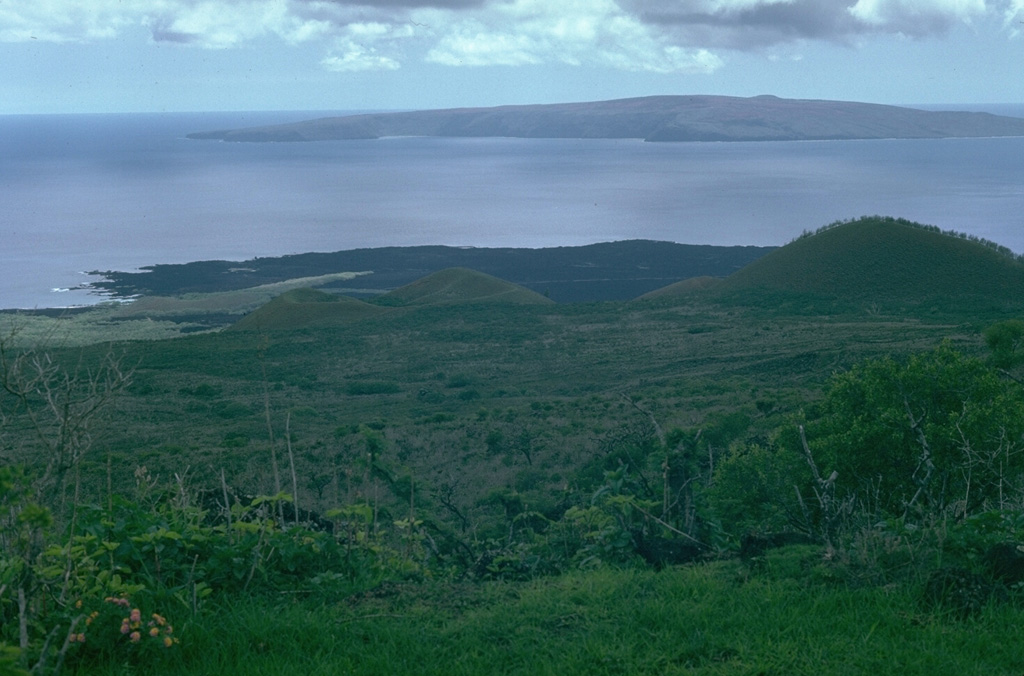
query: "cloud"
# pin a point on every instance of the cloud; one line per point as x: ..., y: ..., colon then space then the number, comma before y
x: 916, y: 17
x: 222, y: 24
x: 204, y: 23
x: 365, y: 46
x: 368, y: 34
x: 1013, y: 18
x: 56, y: 21
x: 407, y: 4
x: 661, y: 36
x: 574, y: 32
x: 754, y: 24
x: 358, y: 58
x: 482, y: 47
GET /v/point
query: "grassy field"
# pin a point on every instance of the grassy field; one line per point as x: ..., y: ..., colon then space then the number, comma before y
x: 713, y: 619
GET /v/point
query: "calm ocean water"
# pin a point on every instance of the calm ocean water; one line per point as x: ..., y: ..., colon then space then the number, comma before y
x: 116, y: 192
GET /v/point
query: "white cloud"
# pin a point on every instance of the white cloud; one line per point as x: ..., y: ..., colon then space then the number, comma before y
x: 574, y: 32
x: 219, y: 24
x: 63, y: 21
x: 379, y: 35
x: 662, y: 36
x: 475, y: 44
x: 205, y: 23
x: 358, y: 58
x: 916, y: 16
x: 367, y: 46
x: 760, y: 25
x: 731, y: 6
x: 1014, y: 17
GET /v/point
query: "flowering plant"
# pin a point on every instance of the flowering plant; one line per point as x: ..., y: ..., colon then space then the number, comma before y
x: 116, y: 625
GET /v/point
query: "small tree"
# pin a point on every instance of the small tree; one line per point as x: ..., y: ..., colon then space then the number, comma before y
x: 57, y: 405
x: 1006, y: 340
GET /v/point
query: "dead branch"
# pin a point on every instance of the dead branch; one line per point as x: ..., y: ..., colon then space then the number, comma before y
x: 824, y: 489
x: 925, y: 460
x: 59, y: 405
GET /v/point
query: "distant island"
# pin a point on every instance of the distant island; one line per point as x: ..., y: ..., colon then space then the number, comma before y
x: 652, y: 118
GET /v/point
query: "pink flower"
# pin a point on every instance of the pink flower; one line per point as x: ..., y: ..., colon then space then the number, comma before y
x: 135, y: 637
x: 136, y: 615
x: 124, y: 626
x: 154, y: 632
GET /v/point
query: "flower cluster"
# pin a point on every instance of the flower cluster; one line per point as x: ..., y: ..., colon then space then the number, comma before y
x: 133, y: 626
x: 157, y: 628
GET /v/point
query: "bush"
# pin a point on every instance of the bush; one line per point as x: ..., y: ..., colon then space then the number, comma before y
x: 364, y: 387
x: 938, y: 431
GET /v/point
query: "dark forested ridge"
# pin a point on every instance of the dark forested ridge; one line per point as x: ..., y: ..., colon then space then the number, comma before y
x: 652, y: 118
x: 608, y: 271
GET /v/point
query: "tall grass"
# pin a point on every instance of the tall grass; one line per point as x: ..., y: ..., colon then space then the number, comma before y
x: 708, y: 619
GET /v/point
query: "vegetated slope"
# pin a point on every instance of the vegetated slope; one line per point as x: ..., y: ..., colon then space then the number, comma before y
x: 652, y: 118
x: 302, y: 308
x: 888, y: 261
x: 460, y: 285
x: 683, y: 288
x: 306, y: 307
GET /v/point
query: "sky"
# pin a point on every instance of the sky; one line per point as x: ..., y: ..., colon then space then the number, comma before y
x: 100, y: 56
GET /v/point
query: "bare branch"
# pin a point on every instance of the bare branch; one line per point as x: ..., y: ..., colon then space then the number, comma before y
x: 650, y: 416
x: 925, y: 460
x: 824, y: 489
x: 58, y: 404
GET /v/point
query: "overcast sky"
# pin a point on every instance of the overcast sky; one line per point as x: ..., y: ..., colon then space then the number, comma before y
x: 60, y: 56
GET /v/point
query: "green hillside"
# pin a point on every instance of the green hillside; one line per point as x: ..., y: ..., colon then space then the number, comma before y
x: 683, y: 288
x: 461, y: 285
x: 304, y: 308
x: 890, y: 262
x: 463, y: 477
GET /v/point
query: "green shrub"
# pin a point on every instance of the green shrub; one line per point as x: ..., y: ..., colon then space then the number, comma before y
x: 365, y: 387
x: 938, y: 431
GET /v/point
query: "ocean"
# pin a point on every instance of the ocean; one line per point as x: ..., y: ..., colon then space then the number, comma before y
x: 80, y: 193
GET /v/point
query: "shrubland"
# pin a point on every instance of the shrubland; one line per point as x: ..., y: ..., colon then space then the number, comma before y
x: 772, y: 481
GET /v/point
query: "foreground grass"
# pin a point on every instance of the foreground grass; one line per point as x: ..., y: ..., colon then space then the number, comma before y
x: 709, y: 619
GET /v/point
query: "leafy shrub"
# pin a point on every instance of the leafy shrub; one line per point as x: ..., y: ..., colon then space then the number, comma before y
x: 203, y: 390
x: 753, y: 488
x: 231, y: 410
x: 235, y: 440
x: 938, y: 431
x: 364, y: 387
x: 1006, y: 340
x: 457, y: 380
